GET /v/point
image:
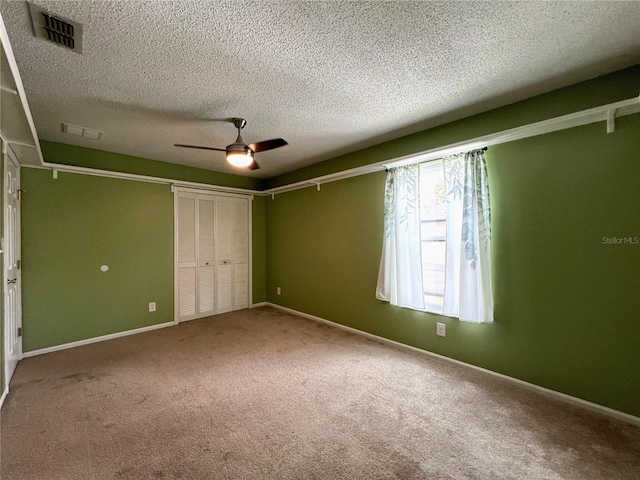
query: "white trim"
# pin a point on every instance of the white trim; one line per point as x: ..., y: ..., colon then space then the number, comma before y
x: 610, y: 412
x: 4, y: 395
x: 605, y: 113
x: 176, y: 306
x: 250, y: 247
x: 207, y: 191
x: 175, y: 184
x: 611, y: 121
x: 20, y: 144
x: 261, y: 304
x: 102, y: 338
x: 352, y: 172
x: 11, y: 154
x: 8, y: 90
x: 13, y: 66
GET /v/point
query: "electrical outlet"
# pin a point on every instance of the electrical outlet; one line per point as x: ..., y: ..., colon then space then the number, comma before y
x: 441, y: 329
x: 152, y: 306
x: 278, y: 291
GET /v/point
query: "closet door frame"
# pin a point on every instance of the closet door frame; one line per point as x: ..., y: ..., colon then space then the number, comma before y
x: 176, y: 192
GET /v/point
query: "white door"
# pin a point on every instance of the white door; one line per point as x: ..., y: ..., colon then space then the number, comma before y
x: 12, y: 279
x: 212, y: 259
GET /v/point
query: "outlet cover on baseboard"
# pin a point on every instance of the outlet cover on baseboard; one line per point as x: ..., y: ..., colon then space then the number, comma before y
x: 152, y: 306
x: 441, y: 329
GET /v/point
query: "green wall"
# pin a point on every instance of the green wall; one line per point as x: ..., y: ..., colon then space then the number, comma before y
x: 567, y: 307
x: 259, y: 250
x: 73, y: 225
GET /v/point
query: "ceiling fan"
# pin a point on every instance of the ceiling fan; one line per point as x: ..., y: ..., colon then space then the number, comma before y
x: 239, y: 154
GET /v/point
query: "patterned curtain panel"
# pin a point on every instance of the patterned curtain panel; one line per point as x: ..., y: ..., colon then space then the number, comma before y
x: 400, y: 275
x: 468, y: 293
x: 466, y: 255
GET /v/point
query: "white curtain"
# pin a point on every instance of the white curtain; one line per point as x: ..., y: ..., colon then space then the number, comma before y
x: 467, y: 283
x: 400, y: 275
x: 467, y: 293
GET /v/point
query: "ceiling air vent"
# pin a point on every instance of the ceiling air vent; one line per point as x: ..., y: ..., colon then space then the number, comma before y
x: 82, y: 131
x: 56, y: 29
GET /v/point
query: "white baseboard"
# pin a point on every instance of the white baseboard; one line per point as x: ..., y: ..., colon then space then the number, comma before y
x: 610, y: 412
x: 4, y: 396
x: 256, y: 305
x: 103, y: 338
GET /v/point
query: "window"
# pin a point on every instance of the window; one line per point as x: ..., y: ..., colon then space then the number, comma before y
x: 433, y: 233
x: 437, y: 238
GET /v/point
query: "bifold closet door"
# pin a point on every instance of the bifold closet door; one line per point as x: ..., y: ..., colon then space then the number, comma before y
x: 213, y: 255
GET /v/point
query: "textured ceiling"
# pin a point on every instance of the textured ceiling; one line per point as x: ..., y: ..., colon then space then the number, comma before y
x: 329, y: 77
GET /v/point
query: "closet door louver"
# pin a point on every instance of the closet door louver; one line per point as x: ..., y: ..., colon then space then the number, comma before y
x: 187, y: 265
x: 224, y: 248
x: 206, y: 257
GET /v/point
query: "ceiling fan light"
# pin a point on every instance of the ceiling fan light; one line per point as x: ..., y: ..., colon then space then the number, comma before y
x: 240, y: 159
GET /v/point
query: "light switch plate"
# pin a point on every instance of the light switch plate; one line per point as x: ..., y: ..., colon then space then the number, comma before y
x: 152, y: 306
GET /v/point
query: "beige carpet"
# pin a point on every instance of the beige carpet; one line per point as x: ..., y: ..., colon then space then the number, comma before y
x: 262, y: 394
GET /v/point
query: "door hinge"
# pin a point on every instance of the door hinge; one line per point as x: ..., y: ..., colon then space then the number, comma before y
x: 20, y: 331
x: 18, y: 264
x: 19, y: 194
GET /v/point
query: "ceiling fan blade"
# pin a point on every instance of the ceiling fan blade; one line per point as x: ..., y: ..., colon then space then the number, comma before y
x: 268, y: 145
x: 254, y: 165
x: 200, y: 148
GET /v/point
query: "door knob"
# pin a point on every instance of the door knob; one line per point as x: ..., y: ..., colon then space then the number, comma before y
x: 12, y: 281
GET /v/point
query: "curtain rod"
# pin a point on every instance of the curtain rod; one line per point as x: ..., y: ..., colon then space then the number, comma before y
x: 608, y: 113
x: 484, y: 149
